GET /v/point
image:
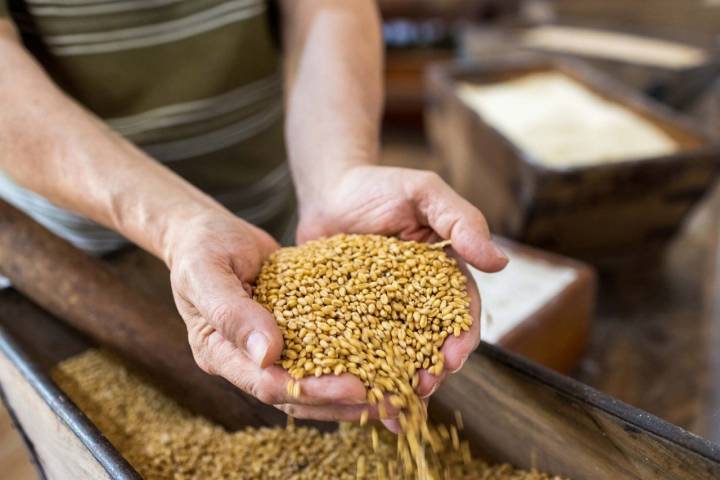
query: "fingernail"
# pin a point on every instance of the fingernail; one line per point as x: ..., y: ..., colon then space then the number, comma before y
x: 461, y: 365
x: 430, y: 393
x: 256, y: 346
x: 498, y: 252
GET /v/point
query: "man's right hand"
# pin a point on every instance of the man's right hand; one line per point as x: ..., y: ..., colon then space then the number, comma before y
x: 214, y: 258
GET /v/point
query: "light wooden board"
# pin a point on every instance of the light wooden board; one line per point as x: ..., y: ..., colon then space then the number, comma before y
x: 14, y: 461
x: 60, y: 452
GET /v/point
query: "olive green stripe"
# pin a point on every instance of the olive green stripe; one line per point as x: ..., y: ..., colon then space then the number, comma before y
x: 63, y: 10
x: 3, y: 8
x: 152, y: 28
x: 197, y: 110
x: 130, y: 82
x: 172, y: 132
x: 157, y: 34
x: 63, y: 25
x: 218, y: 139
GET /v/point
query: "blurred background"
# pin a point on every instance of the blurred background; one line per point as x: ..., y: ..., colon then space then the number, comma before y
x: 588, y: 132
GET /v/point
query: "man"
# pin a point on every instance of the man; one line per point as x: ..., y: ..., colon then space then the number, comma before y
x: 111, y: 108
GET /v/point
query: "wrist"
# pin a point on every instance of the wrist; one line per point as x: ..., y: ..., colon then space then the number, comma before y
x: 315, y: 187
x: 185, y: 224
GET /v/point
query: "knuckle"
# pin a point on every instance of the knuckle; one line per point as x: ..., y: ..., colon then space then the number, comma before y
x: 222, y: 314
x: 199, y: 349
x: 429, y: 179
x: 203, y: 362
x: 264, y: 396
x: 179, y: 275
x: 291, y: 410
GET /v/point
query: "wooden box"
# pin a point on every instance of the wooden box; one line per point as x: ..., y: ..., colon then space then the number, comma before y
x: 591, y: 212
x: 675, y: 73
x: 540, y: 306
x: 513, y: 411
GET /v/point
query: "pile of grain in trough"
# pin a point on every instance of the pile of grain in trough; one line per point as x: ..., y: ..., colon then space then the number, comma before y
x: 164, y: 441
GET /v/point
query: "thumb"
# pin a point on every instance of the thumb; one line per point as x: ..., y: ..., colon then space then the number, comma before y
x: 454, y: 218
x: 219, y: 297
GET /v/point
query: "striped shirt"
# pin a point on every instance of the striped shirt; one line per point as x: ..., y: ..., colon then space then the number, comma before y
x: 194, y: 83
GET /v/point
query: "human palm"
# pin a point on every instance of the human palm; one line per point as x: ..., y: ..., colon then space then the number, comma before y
x: 411, y: 205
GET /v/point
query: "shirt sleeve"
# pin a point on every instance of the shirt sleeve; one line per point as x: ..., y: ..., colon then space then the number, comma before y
x: 3, y: 8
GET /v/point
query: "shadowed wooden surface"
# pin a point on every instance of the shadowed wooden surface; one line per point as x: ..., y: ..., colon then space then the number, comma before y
x: 654, y: 342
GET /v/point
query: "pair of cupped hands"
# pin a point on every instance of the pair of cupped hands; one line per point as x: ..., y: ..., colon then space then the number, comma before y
x: 215, y: 257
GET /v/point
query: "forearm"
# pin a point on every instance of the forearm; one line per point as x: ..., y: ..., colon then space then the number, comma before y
x: 333, y: 73
x: 51, y: 145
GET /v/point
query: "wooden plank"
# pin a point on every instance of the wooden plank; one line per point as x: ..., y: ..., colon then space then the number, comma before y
x: 539, y: 307
x: 14, y: 461
x: 676, y: 85
x: 692, y: 20
x: 522, y: 413
x: 65, y: 443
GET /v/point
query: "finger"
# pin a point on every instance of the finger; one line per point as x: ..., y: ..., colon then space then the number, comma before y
x: 456, y: 350
x: 345, y: 389
x: 339, y: 413
x: 393, y: 424
x: 456, y: 219
x: 270, y: 385
x: 218, y: 295
x: 429, y: 383
x: 346, y: 413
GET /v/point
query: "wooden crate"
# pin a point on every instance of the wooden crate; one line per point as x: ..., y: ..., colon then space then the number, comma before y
x: 513, y: 410
x: 540, y: 306
x: 592, y: 212
x: 695, y: 20
x: 617, y: 53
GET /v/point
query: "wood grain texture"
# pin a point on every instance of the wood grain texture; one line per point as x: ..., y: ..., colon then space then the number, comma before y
x: 14, y: 461
x: 589, y: 212
x: 518, y: 412
x: 61, y: 454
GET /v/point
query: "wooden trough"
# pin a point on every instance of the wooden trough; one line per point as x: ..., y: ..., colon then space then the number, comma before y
x: 513, y: 411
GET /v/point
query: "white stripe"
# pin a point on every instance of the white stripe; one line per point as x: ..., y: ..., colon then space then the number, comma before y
x: 77, y: 230
x: 217, y: 140
x: 188, y: 112
x: 270, y: 184
x: 70, y: 2
x: 265, y: 211
x: 152, y: 29
x: 139, y: 37
x: 95, y: 238
x: 64, y: 10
